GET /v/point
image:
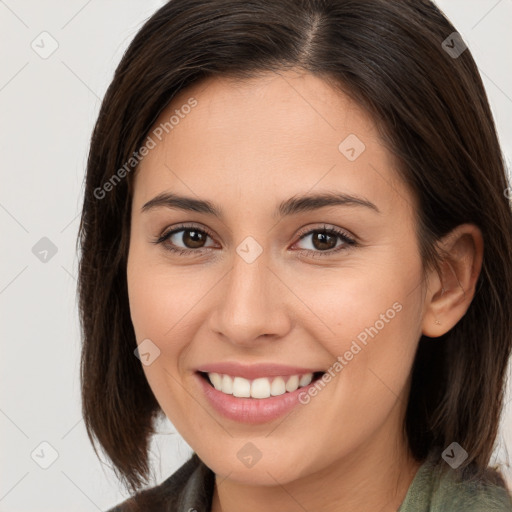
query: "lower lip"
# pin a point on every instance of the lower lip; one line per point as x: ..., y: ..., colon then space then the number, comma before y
x: 251, y: 410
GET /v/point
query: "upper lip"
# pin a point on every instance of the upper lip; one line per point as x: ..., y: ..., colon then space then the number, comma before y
x: 255, y: 371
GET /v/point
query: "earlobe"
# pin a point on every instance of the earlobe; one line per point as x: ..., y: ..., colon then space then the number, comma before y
x: 450, y: 292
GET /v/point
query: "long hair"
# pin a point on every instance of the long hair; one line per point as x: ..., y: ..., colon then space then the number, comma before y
x: 432, y: 112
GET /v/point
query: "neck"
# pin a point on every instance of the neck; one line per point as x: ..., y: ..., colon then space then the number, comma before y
x: 371, y: 479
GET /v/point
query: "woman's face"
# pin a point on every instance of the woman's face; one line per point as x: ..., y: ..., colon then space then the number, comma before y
x: 268, y: 290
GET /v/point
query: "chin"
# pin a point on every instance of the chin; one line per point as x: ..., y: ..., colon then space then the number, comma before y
x: 237, y: 465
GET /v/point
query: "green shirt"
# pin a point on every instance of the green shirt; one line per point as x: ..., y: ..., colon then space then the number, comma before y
x: 191, y: 488
x: 437, y: 488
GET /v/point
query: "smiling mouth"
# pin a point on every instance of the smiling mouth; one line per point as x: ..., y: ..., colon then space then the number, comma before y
x: 260, y: 388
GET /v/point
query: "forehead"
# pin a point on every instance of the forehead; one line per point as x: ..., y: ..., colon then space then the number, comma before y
x: 289, y: 107
x: 284, y: 133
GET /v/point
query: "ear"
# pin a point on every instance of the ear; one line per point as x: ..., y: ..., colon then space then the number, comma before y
x: 450, y: 292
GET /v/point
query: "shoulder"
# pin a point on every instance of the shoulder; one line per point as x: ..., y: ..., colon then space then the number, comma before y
x: 190, y: 486
x: 483, y: 494
x: 439, y: 488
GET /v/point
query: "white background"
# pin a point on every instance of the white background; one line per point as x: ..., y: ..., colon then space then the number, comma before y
x: 48, y: 108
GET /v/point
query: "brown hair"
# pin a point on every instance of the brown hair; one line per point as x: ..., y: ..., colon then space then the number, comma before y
x: 432, y: 112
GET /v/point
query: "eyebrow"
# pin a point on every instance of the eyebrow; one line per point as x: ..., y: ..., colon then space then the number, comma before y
x: 293, y: 205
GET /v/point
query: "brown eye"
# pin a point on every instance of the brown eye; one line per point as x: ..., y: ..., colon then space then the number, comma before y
x: 185, y: 239
x: 193, y: 238
x: 326, y: 240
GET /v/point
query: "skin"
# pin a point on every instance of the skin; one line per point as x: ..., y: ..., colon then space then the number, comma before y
x: 246, y: 147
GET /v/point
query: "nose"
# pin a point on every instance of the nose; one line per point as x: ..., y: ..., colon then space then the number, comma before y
x: 252, y: 303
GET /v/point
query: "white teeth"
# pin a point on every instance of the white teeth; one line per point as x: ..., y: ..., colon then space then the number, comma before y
x: 262, y: 387
x: 241, y: 387
x: 227, y: 385
x: 216, y: 380
x: 292, y: 384
x: 305, y: 380
x: 278, y: 387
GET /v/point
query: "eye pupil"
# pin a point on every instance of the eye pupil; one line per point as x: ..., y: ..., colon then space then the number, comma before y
x: 322, y: 238
x: 197, y: 238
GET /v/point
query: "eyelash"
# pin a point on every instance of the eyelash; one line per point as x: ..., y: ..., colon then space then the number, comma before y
x: 347, y: 241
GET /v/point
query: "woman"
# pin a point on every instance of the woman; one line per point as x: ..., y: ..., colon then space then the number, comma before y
x: 296, y: 245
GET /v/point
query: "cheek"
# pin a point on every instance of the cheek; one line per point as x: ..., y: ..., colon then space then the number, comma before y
x: 344, y: 302
x: 165, y: 307
x: 371, y: 318
x: 162, y: 298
